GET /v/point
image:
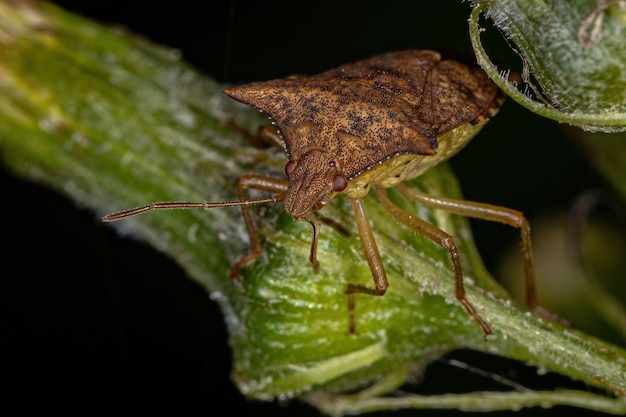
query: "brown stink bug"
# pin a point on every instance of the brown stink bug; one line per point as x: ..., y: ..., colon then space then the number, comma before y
x: 374, y: 123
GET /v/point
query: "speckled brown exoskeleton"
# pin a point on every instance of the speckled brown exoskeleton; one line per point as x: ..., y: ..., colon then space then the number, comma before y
x: 370, y: 124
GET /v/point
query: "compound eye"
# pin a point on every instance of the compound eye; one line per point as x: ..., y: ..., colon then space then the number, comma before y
x: 289, y: 167
x: 339, y: 183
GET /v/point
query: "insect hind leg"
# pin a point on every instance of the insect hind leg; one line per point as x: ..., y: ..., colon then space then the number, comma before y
x: 442, y: 239
x: 492, y: 213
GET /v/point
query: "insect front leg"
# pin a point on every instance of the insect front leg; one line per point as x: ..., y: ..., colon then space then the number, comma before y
x: 266, y: 135
x: 255, y: 182
x: 442, y: 239
x: 271, y: 135
x: 368, y: 242
x: 315, y: 221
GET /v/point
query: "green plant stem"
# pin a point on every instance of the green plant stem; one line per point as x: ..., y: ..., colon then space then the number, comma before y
x: 113, y: 122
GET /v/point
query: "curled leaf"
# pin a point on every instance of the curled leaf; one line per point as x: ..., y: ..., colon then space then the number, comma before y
x: 572, y: 53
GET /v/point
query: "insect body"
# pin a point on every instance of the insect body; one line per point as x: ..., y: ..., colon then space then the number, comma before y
x: 371, y: 124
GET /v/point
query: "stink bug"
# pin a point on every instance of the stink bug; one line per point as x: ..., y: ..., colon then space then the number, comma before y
x: 371, y: 124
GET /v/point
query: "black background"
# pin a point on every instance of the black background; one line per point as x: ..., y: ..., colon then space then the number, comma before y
x: 94, y: 324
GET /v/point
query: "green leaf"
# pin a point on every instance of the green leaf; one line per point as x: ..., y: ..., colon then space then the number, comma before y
x: 572, y: 53
x: 114, y: 122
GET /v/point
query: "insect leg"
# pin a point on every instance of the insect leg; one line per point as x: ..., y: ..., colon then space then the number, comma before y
x: 270, y: 135
x: 442, y: 239
x: 266, y: 135
x: 486, y: 212
x: 497, y: 214
x: 256, y: 182
x: 316, y: 222
x: 372, y: 255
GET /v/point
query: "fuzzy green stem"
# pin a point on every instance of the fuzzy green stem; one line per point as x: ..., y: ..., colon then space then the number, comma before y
x: 114, y: 122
